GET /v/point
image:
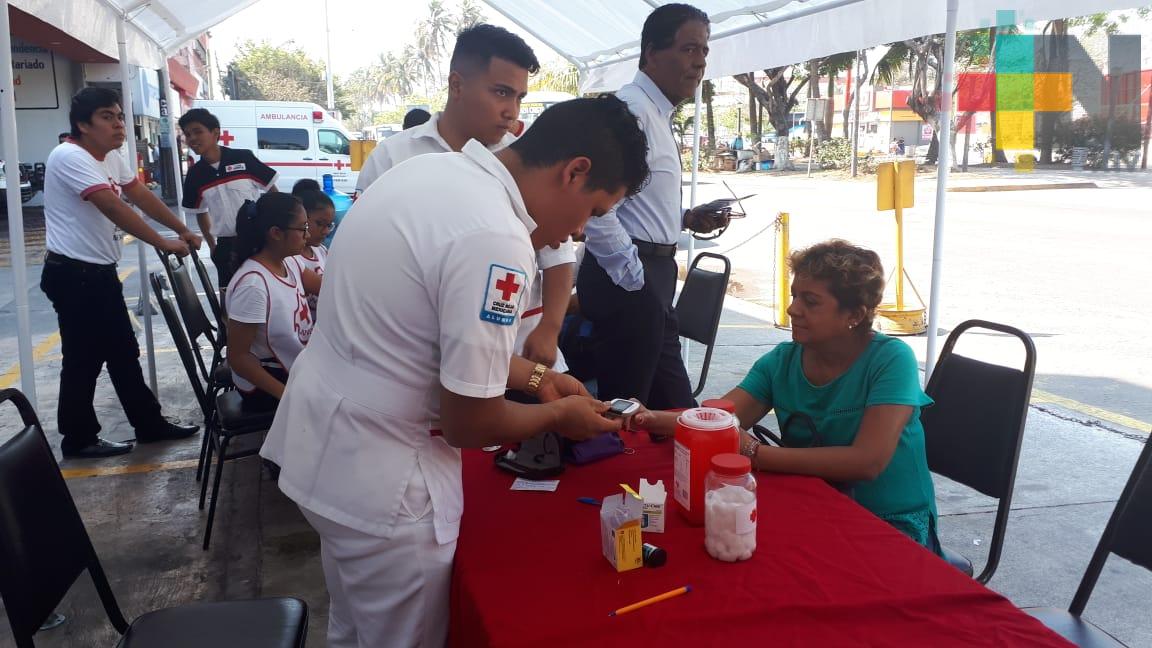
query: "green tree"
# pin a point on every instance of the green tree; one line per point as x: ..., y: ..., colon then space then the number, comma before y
x: 559, y: 76
x: 778, y: 95
x: 470, y: 13
x: 432, y: 42
x: 831, y: 67
x: 280, y: 73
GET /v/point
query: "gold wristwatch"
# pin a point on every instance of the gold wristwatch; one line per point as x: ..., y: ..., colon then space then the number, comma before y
x: 536, y: 377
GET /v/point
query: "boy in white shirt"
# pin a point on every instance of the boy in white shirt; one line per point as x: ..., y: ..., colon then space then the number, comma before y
x: 84, y: 186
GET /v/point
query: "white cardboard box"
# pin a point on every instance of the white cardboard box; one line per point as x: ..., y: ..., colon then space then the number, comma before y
x: 654, y: 497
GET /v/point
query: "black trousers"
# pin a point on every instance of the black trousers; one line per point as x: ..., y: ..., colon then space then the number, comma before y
x: 636, y: 343
x: 95, y: 331
x: 222, y: 259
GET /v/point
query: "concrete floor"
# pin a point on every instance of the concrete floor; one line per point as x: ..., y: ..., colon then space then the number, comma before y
x: 147, y: 529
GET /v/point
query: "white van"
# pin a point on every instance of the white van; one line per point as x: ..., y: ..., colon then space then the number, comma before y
x: 537, y: 102
x: 298, y: 139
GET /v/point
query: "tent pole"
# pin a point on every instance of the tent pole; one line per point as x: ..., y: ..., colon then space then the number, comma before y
x: 11, y: 155
x: 699, y: 99
x: 130, y: 126
x: 943, y: 167
x: 171, y: 112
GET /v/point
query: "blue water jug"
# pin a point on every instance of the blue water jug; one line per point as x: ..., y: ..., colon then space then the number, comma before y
x: 340, y: 200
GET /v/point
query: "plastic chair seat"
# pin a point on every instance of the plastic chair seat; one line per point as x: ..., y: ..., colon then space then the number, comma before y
x: 1073, y: 628
x: 234, y: 418
x: 258, y: 623
x: 957, y: 560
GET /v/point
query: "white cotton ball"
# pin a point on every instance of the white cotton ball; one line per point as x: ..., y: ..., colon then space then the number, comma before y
x: 730, y: 530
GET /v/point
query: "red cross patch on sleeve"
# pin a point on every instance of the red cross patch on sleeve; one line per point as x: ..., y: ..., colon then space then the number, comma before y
x: 502, y: 297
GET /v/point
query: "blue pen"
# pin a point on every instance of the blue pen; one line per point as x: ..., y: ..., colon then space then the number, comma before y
x: 588, y: 500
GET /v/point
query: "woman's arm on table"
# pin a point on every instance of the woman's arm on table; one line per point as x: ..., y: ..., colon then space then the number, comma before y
x: 864, y: 460
x: 749, y: 411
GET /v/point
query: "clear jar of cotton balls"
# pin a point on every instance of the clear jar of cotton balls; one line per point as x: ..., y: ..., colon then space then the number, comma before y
x: 730, y: 508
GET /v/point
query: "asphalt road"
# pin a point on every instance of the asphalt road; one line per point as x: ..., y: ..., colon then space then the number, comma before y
x: 1068, y: 266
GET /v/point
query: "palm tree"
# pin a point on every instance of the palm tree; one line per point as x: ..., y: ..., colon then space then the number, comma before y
x: 470, y: 13
x: 431, y: 40
x: 832, y: 66
x: 411, y: 64
x: 1054, y: 56
x: 558, y: 76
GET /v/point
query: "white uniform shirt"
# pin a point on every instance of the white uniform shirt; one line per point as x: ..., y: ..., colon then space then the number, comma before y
x: 315, y: 264
x: 656, y: 213
x: 426, y: 138
x: 278, y: 305
x: 75, y: 227
x: 426, y: 290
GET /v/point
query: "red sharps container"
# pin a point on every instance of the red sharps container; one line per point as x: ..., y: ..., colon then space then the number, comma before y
x: 701, y: 433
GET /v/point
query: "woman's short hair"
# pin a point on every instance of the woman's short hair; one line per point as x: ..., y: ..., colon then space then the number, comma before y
x: 854, y: 275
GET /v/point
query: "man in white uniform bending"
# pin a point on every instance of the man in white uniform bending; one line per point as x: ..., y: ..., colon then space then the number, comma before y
x: 422, y: 297
x: 489, y: 77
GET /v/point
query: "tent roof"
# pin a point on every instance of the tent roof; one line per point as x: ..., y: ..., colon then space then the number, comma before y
x: 157, y: 28
x: 602, y: 37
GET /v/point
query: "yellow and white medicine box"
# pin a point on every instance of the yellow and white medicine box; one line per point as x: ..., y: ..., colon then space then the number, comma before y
x: 620, y: 517
x: 654, y: 497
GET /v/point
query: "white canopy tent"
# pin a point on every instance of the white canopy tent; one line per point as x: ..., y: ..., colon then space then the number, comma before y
x: 135, y: 32
x: 600, y: 37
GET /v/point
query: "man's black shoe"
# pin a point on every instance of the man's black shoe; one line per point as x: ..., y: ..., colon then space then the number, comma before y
x: 100, y: 449
x: 169, y: 431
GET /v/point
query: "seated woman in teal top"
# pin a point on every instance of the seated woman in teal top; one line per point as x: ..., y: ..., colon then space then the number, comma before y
x: 847, y: 398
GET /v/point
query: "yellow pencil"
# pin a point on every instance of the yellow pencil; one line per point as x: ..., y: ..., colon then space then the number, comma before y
x: 655, y: 599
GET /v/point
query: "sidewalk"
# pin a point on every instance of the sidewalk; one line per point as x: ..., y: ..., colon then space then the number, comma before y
x: 141, y: 509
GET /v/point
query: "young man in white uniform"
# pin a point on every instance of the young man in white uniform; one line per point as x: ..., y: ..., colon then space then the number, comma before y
x: 84, y: 186
x: 489, y: 77
x: 422, y: 297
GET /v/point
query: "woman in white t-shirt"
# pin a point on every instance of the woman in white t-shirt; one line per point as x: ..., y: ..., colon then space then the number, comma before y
x: 321, y: 219
x: 269, y: 321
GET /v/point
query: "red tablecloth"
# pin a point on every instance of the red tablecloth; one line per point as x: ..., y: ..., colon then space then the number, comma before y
x: 529, y: 572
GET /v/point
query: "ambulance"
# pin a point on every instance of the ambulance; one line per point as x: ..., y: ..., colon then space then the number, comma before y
x: 298, y: 139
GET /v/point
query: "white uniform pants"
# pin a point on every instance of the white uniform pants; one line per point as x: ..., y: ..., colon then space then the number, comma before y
x: 387, y: 593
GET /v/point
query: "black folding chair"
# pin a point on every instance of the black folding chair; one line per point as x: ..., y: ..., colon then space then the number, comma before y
x: 196, y: 320
x: 227, y: 418
x: 700, y: 305
x: 44, y: 548
x: 216, y: 373
x: 210, y: 293
x: 974, y: 429
x: 1128, y: 534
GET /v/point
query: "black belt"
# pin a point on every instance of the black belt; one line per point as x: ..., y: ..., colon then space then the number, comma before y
x: 60, y: 259
x: 646, y: 248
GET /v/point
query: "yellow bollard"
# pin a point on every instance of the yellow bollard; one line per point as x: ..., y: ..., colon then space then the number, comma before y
x: 360, y: 149
x: 783, y: 286
x: 895, y: 190
x: 899, y: 208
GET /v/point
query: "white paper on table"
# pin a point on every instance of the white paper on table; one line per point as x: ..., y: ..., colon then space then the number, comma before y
x: 548, y: 486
